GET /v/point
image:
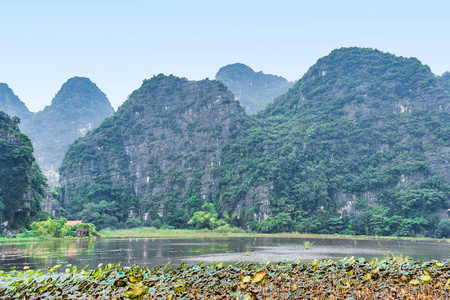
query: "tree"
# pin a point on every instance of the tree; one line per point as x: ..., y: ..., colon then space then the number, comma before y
x: 206, y: 218
x: 443, y: 229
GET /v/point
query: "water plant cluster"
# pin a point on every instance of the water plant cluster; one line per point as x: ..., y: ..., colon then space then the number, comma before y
x: 348, y: 278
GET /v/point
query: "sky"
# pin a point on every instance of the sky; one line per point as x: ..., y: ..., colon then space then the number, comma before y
x: 119, y: 43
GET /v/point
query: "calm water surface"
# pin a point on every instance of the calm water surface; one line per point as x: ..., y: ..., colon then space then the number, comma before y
x: 152, y: 252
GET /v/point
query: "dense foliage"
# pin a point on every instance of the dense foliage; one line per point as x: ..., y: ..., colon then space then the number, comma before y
x: 21, y: 180
x: 348, y: 278
x: 253, y: 89
x: 359, y: 145
x: 57, y: 228
x: 150, y: 157
x: 340, y: 154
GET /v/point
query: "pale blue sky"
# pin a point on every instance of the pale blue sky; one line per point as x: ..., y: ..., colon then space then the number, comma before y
x: 118, y: 43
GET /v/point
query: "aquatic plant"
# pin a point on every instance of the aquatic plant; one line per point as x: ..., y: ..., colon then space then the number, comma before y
x: 348, y: 278
x: 308, y: 244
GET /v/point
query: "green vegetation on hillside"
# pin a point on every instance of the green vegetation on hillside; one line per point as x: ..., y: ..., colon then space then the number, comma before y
x: 21, y: 180
x: 336, y: 133
x: 358, y: 146
x: 168, y: 119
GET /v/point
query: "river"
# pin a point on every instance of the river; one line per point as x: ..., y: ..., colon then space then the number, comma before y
x: 152, y: 252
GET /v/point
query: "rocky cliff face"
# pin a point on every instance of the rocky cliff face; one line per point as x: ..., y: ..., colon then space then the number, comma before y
x: 254, y: 90
x: 78, y: 107
x: 161, y: 148
x: 11, y: 104
x: 21, y: 180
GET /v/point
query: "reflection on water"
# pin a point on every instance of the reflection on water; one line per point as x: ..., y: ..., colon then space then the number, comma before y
x: 155, y: 251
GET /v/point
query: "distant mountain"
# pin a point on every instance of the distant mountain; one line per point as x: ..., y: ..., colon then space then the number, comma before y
x: 359, y: 145
x: 11, y: 104
x: 78, y: 107
x: 21, y: 180
x: 254, y: 90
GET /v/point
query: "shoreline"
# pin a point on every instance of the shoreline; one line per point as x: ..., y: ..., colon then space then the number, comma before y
x: 146, y: 232
x: 150, y: 232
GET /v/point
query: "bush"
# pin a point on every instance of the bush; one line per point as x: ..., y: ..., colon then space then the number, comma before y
x: 50, y: 228
x: 56, y: 228
x: 443, y: 229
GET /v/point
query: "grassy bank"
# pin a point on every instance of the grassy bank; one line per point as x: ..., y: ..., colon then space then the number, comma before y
x: 236, y: 232
x: 149, y: 232
x: 393, y: 278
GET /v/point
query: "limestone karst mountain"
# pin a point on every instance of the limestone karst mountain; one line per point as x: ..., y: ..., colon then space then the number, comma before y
x: 254, y: 90
x: 359, y: 145
x: 21, y: 181
x: 161, y: 147
x: 78, y: 107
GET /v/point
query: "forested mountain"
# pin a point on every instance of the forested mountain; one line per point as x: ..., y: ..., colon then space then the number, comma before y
x: 78, y: 107
x: 254, y: 90
x: 155, y: 157
x: 11, y: 104
x: 21, y: 181
x: 359, y: 145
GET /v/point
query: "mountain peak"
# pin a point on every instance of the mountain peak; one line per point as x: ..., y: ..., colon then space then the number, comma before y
x: 364, y: 80
x: 81, y: 91
x: 253, y: 89
x: 78, y: 107
x: 11, y: 104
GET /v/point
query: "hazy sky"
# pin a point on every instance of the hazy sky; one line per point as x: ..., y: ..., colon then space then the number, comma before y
x: 118, y: 43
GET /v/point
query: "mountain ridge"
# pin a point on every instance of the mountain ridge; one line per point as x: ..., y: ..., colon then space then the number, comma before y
x: 359, y: 145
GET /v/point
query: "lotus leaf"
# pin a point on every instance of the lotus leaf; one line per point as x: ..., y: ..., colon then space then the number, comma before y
x: 293, y: 287
x: 259, y: 276
x: 136, y: 290
x: 180, y: 287
x: 414, y: 282
x: 134, y: 279
x: 426, y: 279
x: 120, y: 283
x: 367, y: 277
